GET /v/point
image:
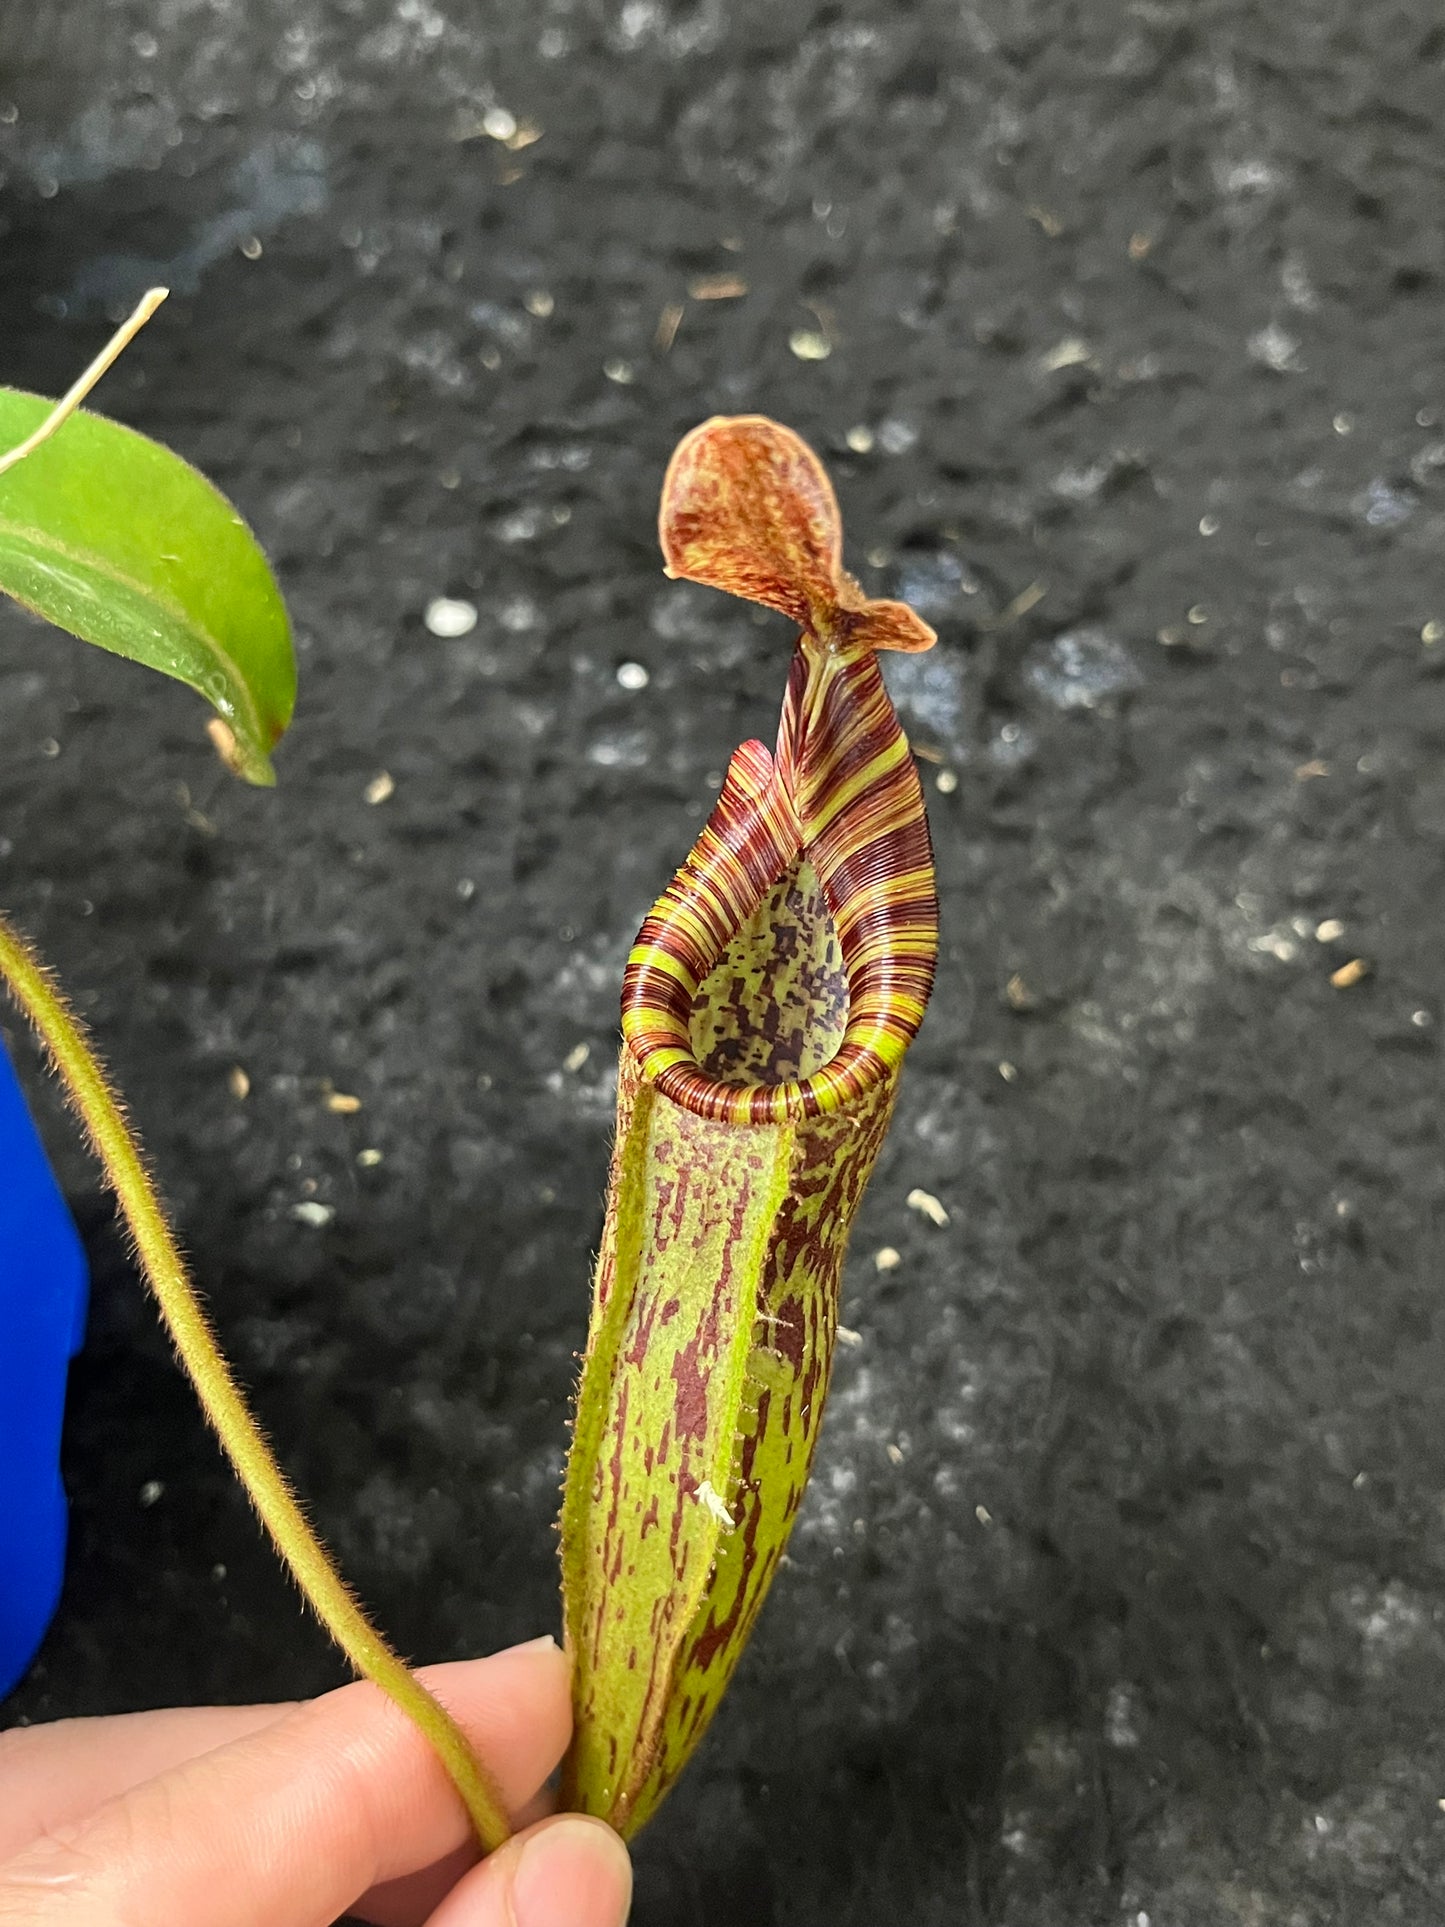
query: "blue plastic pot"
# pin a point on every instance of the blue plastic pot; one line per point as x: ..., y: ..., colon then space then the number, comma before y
x: 43, y: 1291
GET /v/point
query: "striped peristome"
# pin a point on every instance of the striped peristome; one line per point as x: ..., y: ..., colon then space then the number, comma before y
x: 767, y: 1005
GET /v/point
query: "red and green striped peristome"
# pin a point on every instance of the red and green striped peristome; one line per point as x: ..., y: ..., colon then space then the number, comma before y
x: 767, y: 1006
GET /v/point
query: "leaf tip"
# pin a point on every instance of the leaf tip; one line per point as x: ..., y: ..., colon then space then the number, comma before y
x: 246, y: 760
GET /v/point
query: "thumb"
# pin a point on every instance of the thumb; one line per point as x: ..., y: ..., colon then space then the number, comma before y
x: 566, y: 1872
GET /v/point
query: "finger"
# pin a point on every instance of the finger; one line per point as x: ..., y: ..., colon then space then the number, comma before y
x: 290, y: 1824
x: 409, y: 1901
x: 51, y: 1776
x: 567, y: 1872
x: 54, y: 1775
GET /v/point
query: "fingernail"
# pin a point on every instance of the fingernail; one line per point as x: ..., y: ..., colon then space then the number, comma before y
x: 574, y: 1873
x: 536, y: 1645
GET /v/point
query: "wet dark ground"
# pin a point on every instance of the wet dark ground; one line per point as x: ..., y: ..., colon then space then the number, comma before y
x: 1118, y: 1596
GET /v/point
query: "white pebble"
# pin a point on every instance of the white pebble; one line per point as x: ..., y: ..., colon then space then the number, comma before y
x: 446, y: 617
x: 498, y: 124
x: 1070, y: 353
x: 318, y: 1216
x: 632, y: 675
x: 809, y: 344
x: 927, y: 1206
x: 860, y: 439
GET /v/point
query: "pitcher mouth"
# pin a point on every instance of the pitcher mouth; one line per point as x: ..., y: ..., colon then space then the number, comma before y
x: 843, y: 769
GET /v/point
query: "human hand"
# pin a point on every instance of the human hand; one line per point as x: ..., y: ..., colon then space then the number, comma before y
x: 288, y: 1816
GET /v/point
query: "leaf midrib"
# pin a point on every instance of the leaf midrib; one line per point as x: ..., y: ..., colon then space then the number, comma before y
x: 180, y: 616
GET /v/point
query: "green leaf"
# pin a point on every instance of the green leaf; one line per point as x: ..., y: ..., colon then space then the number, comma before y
x: 107, y: 534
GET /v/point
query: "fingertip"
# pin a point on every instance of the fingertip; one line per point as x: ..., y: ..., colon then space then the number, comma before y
x: 574, y: 1872
x: 567, y: 1872
x: 538, y: 1667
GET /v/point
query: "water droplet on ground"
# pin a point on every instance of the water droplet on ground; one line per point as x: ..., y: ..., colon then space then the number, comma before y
x: 1083, y: 669
x: 1382, y: 506
x: 935, y: 585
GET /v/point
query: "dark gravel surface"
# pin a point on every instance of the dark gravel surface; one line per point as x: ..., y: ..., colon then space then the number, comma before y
x: 1118, y: 1596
